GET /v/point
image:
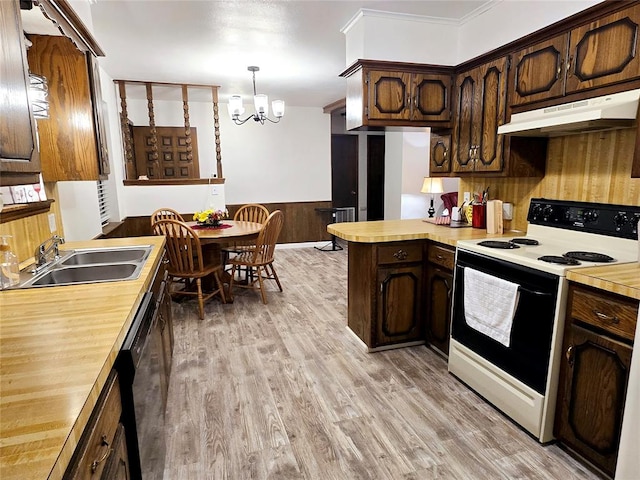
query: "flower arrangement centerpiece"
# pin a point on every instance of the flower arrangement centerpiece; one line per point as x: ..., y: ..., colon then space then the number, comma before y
x: 210, y: 218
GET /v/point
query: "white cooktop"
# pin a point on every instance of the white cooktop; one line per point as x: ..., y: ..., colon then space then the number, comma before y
x: 555, y: 241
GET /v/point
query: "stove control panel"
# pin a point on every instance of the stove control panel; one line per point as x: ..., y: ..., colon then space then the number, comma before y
x: 601, y: 218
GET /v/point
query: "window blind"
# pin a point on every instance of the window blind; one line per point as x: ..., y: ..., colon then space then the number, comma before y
x: 103, y: 202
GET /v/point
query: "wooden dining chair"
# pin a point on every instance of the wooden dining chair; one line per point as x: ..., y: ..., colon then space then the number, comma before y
x: 186, y: 262
x: 251, y: 212
x: 259, y: 259
x: 165, y: 214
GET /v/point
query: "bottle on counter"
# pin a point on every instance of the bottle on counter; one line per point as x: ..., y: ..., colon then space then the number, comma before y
x: 9, y: 268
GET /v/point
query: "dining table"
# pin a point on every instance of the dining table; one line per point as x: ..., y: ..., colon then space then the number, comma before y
x: 213, y: 239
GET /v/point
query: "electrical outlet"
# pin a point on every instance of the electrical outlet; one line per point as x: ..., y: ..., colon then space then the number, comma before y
x: 466, y: 196
x: 215, y: 190
x: 52, y: 222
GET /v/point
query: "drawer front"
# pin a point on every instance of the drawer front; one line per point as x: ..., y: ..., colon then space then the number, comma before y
x: 399, y: 253
x: 441, y: 256
x: 96, y: 443
x: 616, y: 315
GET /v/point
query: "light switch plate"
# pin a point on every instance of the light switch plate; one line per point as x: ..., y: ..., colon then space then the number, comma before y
x: 466, y: 196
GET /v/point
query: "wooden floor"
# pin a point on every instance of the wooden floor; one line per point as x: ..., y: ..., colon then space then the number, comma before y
x: 284, y: 391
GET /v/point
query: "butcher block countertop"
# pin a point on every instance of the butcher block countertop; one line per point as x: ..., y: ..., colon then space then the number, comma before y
x: 57, y: 347
x: 398, y: 230
x: 622, y: 278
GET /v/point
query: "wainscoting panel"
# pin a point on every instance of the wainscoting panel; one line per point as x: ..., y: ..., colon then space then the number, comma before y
x: 302, y: 223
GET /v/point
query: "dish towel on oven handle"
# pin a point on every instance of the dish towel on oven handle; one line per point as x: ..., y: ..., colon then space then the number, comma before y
x: 490, y: 304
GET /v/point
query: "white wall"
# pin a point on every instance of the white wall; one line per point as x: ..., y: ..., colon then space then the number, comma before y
x: 401, y: 38
x: 393, y: 175
x: 509, y: 20
x: 79, y: 208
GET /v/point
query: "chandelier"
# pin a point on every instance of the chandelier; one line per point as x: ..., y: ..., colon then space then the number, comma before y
x: 261, y: 104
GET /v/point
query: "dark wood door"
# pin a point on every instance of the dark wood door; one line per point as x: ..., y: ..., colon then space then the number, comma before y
x: 375, y: 177
x: 464, y: 126
x: 18, y: 152
x: 440, y: 154
x: 538, y: 72
x: 492, y: 95
x: 430, y: 96
x: 172, y: 159
x: 591, y: 395
x: 389, y: 95
x: 344, y: 171
x: 604, y: 51
x: 398, y: 303
x: 439, y: 289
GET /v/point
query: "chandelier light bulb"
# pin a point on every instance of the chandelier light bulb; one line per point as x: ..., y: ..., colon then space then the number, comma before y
x: 261, y: 105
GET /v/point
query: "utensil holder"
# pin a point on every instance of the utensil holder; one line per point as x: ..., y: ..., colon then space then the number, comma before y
x: 479, y: 216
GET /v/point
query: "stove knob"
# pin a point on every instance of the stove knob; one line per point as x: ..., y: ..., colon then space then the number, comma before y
x: 547, y: 212
x: 620, y: 219
x: 590, y: 216
x: 536, y: 211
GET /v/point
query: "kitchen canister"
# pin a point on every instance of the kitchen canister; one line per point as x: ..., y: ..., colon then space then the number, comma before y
x: 479, y: 215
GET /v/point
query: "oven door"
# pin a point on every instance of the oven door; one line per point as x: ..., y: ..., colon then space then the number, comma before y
x: 528, y: 356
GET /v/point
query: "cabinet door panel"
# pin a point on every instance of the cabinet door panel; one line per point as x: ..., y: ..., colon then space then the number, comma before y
x: 18, y: 152
x: 439, y: 284
x: 538, y: 71
x: 440, y: 156
x: 604, y: 51
x: 389, y: 95
x: 492, y: 111
x: 592, y: 395
x: 68, y: 146
x: 398, y: 304
x: 464, y: 123
x: 431, y: 97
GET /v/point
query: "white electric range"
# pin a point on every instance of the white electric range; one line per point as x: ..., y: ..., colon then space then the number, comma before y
x: 520, y: 378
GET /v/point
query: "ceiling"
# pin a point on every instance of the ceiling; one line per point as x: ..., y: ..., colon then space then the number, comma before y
x: 297, y: 44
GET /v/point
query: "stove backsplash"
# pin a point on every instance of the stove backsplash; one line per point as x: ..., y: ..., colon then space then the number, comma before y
x: 592, y: 167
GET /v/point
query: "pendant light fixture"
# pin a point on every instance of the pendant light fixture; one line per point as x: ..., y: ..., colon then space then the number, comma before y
x: 261, y: 104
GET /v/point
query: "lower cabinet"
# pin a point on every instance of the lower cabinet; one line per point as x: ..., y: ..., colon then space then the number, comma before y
x: 385, y: 292
x: 594, y: 373
x: 97, y: 445
x: 117, y: 467
x: 439, y: 288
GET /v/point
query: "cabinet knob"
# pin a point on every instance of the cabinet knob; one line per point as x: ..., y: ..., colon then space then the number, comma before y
x: 559, y: 71
x: 568, y: 69
x: 401, y: 254
x: 606, y: 318
x: 570, y: 356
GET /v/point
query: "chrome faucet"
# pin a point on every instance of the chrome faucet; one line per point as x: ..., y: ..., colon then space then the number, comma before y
x: 45, y: 249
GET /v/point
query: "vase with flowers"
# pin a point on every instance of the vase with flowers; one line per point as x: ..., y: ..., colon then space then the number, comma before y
x: 210, y: 217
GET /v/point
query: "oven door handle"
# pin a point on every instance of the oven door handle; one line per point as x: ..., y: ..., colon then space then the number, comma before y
x: 521, y: 288
x: 534, y: 292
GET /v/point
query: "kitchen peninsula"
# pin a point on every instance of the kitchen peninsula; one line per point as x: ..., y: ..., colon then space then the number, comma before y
x: 400, y: 280
x: 57, y: 349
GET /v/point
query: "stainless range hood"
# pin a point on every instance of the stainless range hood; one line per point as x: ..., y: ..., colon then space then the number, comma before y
x: 610, y: 112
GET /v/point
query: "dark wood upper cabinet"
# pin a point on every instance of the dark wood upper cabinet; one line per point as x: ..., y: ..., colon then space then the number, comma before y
x: 604, y: 52
x: 397, y: 94
x: 440, y: 153
x: 69, y: 142
x: 597, y: 54
x: 19, y: 159
x: 537, y: 72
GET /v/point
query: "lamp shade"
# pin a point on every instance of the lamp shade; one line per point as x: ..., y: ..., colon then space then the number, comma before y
x: 235, y: 105
x: 431, y: 185
x: 261, y: 102
x: 278, y: 108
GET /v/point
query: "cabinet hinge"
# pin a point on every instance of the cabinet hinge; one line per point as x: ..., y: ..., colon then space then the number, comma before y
x: 508, y: 62
x: 366, y: 111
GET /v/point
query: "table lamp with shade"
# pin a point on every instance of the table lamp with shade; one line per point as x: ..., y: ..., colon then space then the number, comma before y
x: 431, y: 186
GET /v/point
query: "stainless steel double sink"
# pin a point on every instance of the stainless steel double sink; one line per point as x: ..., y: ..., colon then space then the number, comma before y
x: 94, y: 265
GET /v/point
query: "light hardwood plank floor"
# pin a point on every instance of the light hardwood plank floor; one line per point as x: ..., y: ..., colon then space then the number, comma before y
x: 284, y: 391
